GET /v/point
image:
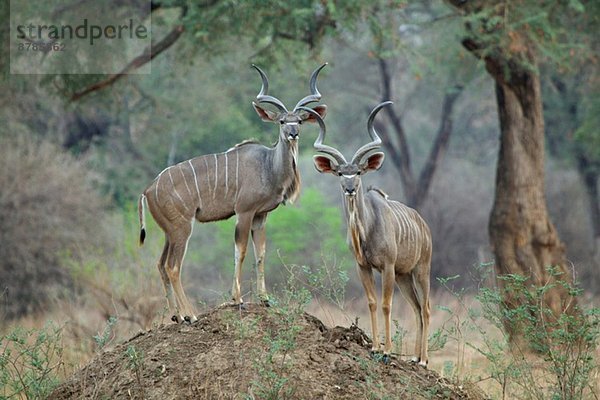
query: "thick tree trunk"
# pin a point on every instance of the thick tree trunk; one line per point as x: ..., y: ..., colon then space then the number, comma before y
x: 524, y: 239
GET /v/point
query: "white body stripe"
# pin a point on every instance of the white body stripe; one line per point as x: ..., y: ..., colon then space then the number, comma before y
x: 207, y: 173
x: 411, y: 235
x: 185, y: 180
x: 226, y: 177
x: 237, y: 173
x: 216, y: 175
x: 158, y: 181
x: 398, y: 222
x: 156, y: 187
x: 196, y: 182
x: 175, y: 190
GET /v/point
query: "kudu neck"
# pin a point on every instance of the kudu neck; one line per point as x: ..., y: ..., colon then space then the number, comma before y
x: 285, y: 166
x: 357, y: 217
x: 285, y: 155
x: 357, y: 213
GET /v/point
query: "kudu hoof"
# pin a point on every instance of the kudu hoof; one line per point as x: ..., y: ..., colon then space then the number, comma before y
x: 265, y: 302
x: 417, y: 360
x: 381, y: 357
x: 237, y: 304
x: 386, y: 358
x: 175, y: 319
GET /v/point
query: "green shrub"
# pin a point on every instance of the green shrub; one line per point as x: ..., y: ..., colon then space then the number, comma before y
x: 557, y: 359
x: 30, y: 362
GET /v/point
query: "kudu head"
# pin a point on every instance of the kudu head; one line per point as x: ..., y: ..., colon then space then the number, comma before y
x: 289, y: 121
x: 364, y: 160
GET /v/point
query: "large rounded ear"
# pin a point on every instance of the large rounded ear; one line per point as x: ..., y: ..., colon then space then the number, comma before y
x: 320, y: 109
x: 264, y: 114
x: 373, y: 162
x: 324, y: 164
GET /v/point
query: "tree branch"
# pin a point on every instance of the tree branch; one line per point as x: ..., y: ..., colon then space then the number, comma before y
x: 401, y: 155
x: 440, y: 145
x: 149, y: 53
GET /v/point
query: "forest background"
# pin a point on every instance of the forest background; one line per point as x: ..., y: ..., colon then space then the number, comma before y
x: 77, y: 150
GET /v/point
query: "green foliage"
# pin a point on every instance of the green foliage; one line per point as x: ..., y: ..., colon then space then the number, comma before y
x: 563, y: 363
x: 30, y: 362
x: 104, y: 337
x: 398, y: 337
x: 135, y: 362
x: 311, y: 231
x: 561, y: 32
x: 274, y: 364
x: 135, y: 357
x: 315, y: 225
x: 372, y: 386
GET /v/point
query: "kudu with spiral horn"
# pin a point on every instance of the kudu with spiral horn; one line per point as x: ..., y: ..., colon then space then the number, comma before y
x: 248, y: 181
x: 384, y: 235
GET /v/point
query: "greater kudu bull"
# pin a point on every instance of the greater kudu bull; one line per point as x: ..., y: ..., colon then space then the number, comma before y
x: 248, y: 180
x: 384, y: 235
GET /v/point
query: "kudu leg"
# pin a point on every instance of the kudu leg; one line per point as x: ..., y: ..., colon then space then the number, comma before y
x: 405, y: 283
x: 259, y: 239
x: 165, y: 278
x: 242, y: 232
x: 421, y: 285
x: 177, y: 249
x: 388, y: 283
x: 366, y: 277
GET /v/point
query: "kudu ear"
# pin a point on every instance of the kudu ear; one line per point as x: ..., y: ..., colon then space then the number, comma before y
x: 320, y: 109
x: 324, y: 164
x: 264, y: 114
x: 373, y: 162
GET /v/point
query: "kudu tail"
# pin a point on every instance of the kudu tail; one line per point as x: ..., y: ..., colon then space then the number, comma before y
x: 142, y: 216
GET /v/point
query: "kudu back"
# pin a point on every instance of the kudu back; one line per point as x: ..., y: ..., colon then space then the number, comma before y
x: 248, y: 180
x: 384, y: 235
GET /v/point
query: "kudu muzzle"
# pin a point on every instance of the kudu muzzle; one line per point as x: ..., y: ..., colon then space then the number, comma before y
x: 291, y: 130
x: 349, y: 187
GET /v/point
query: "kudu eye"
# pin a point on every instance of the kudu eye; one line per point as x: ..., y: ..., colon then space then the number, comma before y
x: 282, y: 122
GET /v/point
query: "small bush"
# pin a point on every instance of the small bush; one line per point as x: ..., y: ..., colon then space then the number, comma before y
x: 557, y: 359
x: 30, y: 362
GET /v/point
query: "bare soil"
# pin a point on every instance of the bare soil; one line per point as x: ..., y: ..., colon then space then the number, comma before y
x: 255, y: 353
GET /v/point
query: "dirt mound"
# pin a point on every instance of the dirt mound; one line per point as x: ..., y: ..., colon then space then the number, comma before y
x: 262, y: 353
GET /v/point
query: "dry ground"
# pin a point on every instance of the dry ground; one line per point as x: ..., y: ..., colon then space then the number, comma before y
x: 255, y: 353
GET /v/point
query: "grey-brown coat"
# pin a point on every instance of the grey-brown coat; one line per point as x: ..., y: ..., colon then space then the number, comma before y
x: 384, y: 235
x: 248, y: 180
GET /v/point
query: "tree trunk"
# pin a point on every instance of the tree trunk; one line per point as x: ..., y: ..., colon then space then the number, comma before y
x: 524, y: 239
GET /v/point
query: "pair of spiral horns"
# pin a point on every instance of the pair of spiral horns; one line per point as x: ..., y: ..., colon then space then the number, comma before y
x: 314, y: 96
x: 358, y: 156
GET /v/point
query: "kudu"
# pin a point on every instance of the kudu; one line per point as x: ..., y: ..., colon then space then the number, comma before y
x: 384, y: 235
x: 248, y: 180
